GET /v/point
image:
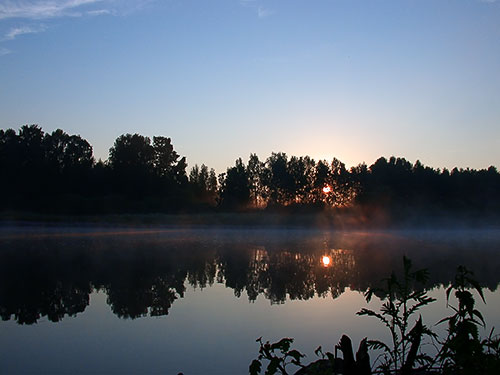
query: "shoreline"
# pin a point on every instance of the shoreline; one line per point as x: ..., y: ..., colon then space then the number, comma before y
x: 322, y: 220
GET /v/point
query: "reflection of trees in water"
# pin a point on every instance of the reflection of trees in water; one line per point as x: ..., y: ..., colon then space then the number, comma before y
x: 290, y: 274
x: 293, y: 275
x: 54, y: 300
x: 144, y: 276
x: 31, y: 287
x: 152, y: 297
x: 338, y: 275
x: 202, y: 272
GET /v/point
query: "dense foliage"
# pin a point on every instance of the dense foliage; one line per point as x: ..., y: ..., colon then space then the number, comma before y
x: 57, y: 173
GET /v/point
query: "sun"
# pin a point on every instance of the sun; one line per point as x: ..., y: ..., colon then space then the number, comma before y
x: 327, y: 189
x: 326, y: 261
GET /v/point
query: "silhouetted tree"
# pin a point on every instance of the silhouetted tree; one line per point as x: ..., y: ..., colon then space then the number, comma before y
x: 234, y: 187
x: 321, y: 180
x: 10, y: 163
x: 203, y: 184
x: 255, y: 171
x: 66, y: 152
x: 132, y: 161
x: 301, y: 171
x: 165, y: 158
x: 69, y: 161
x: 149, y: 173
x: 56, y: 173
x: 344, y: 187
x: 132, y: 154
x: 279, y: 181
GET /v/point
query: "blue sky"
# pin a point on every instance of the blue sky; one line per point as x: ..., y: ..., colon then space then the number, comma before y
x: 344, y: 78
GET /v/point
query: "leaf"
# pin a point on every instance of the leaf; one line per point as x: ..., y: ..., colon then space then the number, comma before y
x: 330, y: 357
x: 427, y: 331
x: 424, y: 359
x: 466, y: 298
x: 376, y: 345
x: 480, y: 316
x: 373, y: 313
x: 423, y: 301
x: 448, y: 291
x: 273, y: 365
x: 476, y: 286
x: 318, y: 351
x: 368, y: 295
x: 264, y: 348
x: 283, y: 344
x: 255, y: 367
x: 295, y: 354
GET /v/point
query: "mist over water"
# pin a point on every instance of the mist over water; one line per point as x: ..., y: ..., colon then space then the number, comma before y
x: 146, y: 299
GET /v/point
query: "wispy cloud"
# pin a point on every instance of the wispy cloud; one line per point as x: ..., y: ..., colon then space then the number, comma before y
x: 4, y: 51
x: 99, y: 12
x: 263, y: 12
x: 42, y: 9
x: 28, y: 11
x: 16, y: 31
x: 46, y: 9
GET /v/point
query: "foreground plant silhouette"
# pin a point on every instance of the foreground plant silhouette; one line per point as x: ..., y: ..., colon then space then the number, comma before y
x: 279, y: 356
x: 461, y: 352
x: 402, y: 300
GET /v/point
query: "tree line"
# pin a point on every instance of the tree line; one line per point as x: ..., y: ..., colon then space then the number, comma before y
x: 57, y: 173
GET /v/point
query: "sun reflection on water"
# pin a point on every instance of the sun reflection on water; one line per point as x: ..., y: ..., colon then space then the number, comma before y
x: 326, y: 260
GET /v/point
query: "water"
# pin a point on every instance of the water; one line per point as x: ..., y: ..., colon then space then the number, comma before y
x: 169, y: 300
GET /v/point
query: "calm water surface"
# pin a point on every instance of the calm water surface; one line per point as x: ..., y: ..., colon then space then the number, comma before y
x: 166, y: 300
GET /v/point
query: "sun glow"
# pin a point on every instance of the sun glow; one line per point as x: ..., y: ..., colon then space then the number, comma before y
x: 326, y: 261
x: 327, y: 189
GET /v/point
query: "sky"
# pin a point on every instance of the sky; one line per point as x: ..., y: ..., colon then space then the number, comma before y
x: 349, y: 79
